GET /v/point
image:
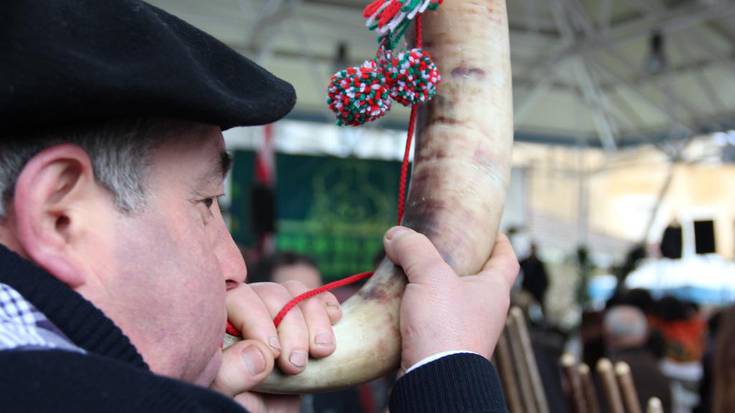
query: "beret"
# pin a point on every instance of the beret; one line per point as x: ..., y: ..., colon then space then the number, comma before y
x: 75, y: 61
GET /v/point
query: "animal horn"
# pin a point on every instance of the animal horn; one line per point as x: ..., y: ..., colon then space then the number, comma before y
x: 457, y: 190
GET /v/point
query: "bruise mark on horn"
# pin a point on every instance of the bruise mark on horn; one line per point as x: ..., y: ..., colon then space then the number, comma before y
x: 447, y: 120
x: 471, y: 72
x: 383, y: 292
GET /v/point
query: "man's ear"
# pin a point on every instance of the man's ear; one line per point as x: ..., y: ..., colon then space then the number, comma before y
x: 53, y: 194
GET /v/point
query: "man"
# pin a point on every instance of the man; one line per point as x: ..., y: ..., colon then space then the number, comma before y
x: 535, y: 278
x: 625, y: 330
x: 117, y: 272
x: 287, y: 266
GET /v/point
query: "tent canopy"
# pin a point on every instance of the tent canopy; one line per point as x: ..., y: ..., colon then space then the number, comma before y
x: 597, y: 72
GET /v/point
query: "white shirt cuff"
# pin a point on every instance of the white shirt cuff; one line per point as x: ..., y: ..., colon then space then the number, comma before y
x: 435, y: 357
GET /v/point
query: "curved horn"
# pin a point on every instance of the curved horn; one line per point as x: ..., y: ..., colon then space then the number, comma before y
x: 458, y: 185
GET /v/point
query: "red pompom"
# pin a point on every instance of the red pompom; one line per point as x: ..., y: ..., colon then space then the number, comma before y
x: 359, y: 94
x: 412, y: 76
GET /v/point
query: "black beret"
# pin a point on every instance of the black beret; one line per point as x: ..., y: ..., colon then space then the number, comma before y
x: 75, y: 61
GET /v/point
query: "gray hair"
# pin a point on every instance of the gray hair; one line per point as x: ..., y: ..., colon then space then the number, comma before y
x: 625, y: 325
x: 120, y: 152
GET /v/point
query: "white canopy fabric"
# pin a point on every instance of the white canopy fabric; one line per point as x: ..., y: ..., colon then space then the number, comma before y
x: 583, y: 70
x: 706, y: 279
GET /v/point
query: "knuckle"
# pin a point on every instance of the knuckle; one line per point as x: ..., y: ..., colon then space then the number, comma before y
x: 499, y: 286
x: 311, y: 306
x: 514, y: 267
x: 421, y: 240
x: 330, y: 298
x: 239, y: 290
x: 418, y: 236
x: 271, y: 291
x: 504, y: 302
x: 512, y: 255
x: 277, y: 289
x: 411, y: 242
x: 295, y: 286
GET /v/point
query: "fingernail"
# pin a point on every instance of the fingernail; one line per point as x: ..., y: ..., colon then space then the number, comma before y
x: 394, y: 232
x: 253, y: 359
x: 335, y: 313
x: 273, y: 342
x: 298, y: 358
x: 323, y: 339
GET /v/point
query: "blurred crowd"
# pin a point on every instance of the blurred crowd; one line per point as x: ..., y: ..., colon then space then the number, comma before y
x: 678, y: 351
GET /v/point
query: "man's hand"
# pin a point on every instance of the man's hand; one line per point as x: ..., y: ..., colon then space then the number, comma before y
x: 443, y: 312
x: 305, y: 331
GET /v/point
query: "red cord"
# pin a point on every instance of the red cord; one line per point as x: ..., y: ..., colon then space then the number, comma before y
x: 404, y: 166
x: 419, y: 32
x: 326, y: 287
x: 409, y: 137
x: 231, y: 330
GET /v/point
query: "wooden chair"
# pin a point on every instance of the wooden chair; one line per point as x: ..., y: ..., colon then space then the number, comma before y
x: 518, y: 369
x: 627, y: 387
x: 625, y: 396
x: 524, y: 390
x: 592, y: 404
x: 578, y: 386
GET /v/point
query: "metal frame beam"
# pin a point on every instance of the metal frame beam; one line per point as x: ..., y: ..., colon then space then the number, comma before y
x: 666, y: 20
x: 606, y: 129
x: 581, y: 39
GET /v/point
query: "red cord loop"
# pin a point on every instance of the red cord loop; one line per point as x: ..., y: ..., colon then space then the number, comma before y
x: 231, y: 330
x: 326, y: 287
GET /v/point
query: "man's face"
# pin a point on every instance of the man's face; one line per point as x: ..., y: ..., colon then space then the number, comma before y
x: 166, y: 270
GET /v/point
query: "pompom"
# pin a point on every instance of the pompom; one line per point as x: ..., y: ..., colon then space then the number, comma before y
x: 411, y: 75
x: 358, y: 95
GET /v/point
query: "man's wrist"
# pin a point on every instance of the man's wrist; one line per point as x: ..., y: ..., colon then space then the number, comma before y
x: 434, y: 357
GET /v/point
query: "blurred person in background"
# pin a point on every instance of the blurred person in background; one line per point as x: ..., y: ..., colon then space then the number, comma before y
x: 682, y: 328
x: 535, y: 278
x: 684, y: 333
x: 585, y: 267
x: 625, y: 330
x: 642, y: 300
x: 722, y: 366
x: 592, y: 340
x: 633, y: 258
x: 706, y: 385
x: 288, y: 266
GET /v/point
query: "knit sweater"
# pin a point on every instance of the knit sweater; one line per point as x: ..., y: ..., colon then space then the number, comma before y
x: 109, y: 374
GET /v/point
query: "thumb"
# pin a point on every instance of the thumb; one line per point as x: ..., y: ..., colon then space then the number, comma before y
x: 418, y: 257
x: 244, y: 364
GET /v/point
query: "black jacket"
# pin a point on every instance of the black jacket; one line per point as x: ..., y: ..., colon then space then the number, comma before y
x: 112, y: 376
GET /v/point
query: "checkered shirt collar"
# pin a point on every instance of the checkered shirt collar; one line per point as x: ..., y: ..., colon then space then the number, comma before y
x: 23, y: 327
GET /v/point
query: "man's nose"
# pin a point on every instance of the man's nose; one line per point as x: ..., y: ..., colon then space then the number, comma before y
x: 231, y: 261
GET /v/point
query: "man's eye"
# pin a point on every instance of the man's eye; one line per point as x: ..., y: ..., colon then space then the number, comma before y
x: 208, y: 202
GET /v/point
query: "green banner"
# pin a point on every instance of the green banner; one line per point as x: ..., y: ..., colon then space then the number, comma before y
x: 333, y: 209
x: 241, y: 180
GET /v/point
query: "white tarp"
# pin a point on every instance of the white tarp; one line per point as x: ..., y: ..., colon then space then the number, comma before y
x: 706, y: 279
